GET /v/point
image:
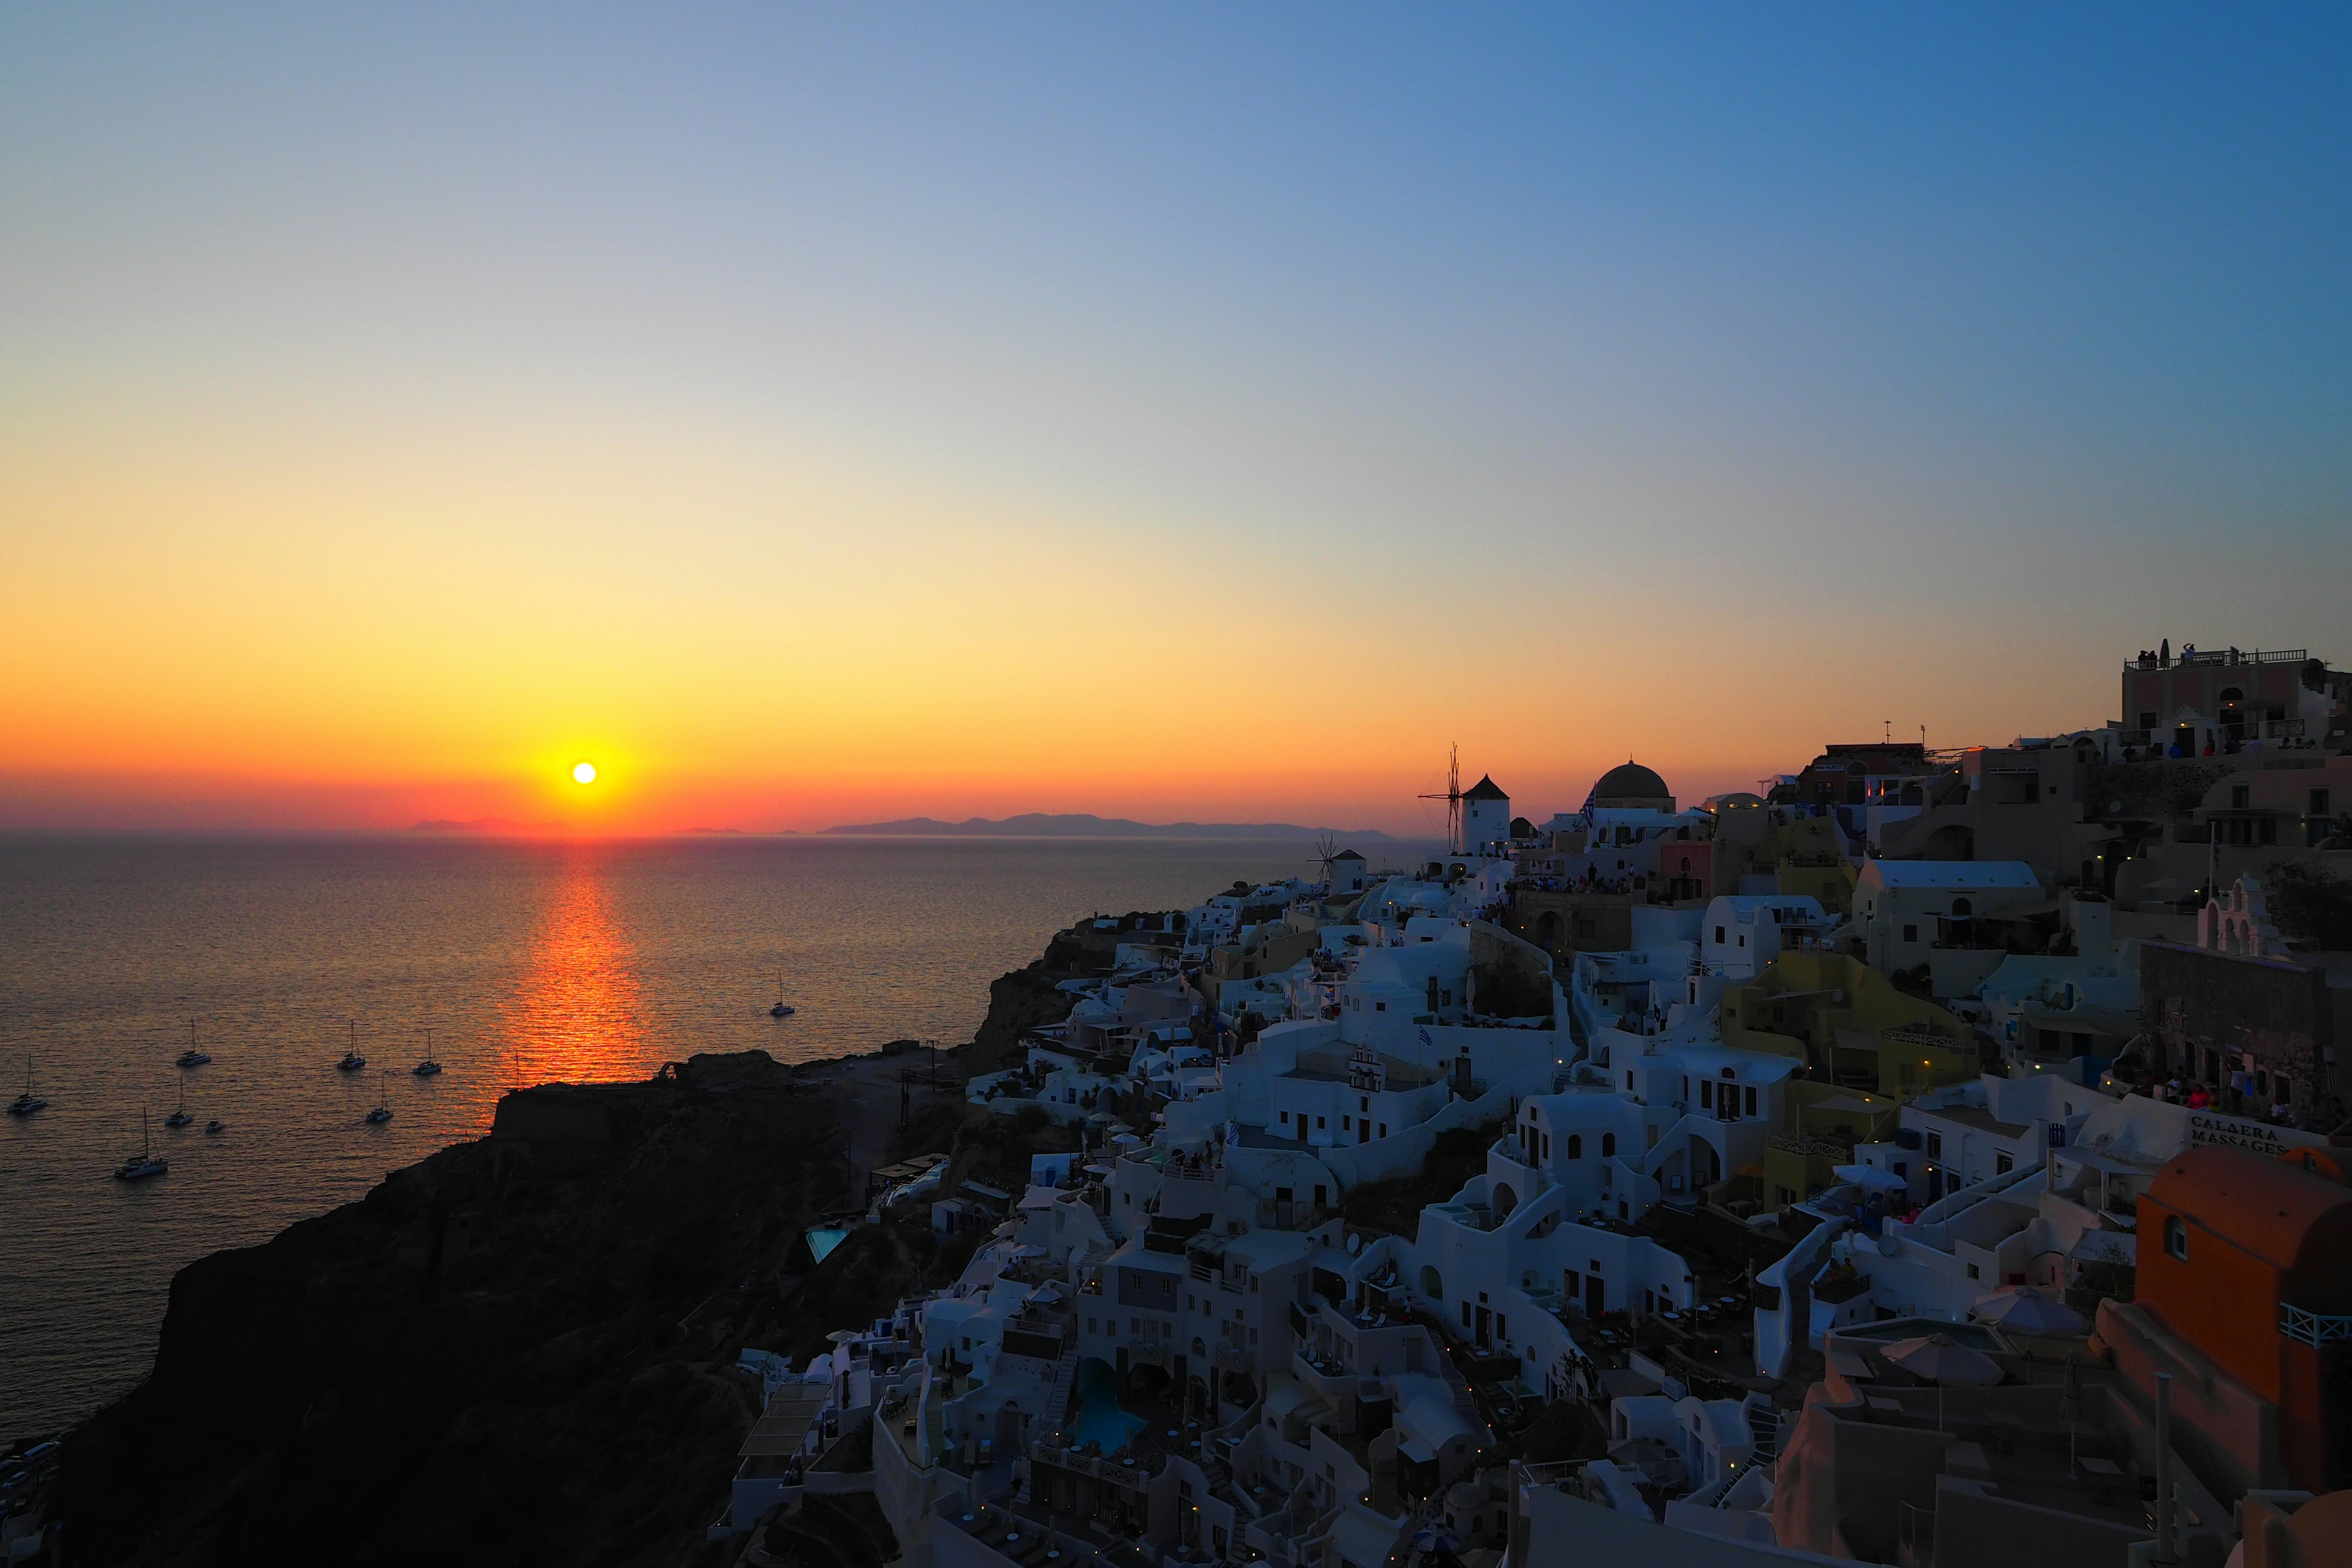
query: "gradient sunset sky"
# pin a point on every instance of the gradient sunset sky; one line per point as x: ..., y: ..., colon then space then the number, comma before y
x: 817, y: 414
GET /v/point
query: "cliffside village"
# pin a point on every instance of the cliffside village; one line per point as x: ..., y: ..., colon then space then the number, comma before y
x: 1931, y: 1158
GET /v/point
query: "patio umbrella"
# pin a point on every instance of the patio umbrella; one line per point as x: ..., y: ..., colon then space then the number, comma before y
x: 2027, y: 1311
x: 1946, y: 1362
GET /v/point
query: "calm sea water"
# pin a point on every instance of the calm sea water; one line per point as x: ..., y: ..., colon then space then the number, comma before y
x: 510, y: 961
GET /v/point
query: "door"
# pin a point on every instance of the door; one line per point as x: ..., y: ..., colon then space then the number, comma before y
x: 1593, y: 1298
x: 1486, y: 1322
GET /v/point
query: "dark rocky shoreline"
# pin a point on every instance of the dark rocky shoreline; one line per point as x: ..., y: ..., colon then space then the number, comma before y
x: 521, y: 1350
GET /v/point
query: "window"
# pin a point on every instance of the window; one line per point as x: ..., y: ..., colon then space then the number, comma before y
x: 1608, y: 1144
x: 1363, y: 1102
x: 1718, y: 936
x: 2176, y: 1236
x: 1910, y: 933
x: 2319, y: 803
x: 1285, y: 1119
x: 1379, y: 1006
x: 1347, y: 1124
x: 1973, y: 1273
x: 1575, y: 1146
x: 1319, y: 1121
x: 1749, y: 1095
x: 2000, y: 1164
x: 1706, y: 1095
x: 2242, y: 797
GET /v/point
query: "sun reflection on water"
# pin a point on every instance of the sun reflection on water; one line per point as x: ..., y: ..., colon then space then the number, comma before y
x: 578, y: 1016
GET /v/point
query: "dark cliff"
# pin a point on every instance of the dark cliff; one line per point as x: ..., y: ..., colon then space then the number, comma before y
x: 513, y: 1351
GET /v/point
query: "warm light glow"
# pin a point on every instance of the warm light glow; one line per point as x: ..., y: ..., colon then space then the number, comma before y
x: 584, y: 773
x: 576, y: 1017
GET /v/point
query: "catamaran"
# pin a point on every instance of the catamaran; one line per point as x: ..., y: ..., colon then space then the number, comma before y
x: 181, y: 1116
x: 428, y: 1066
x: 192, y: 1058
x: 381, y: 1114
x: 27, y: 1103
x: 352, y: 1061
x: 780, y: 1010
x: 142, y: 1164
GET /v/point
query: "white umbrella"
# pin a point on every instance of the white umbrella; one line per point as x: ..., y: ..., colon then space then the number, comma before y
x: 1944, y: 1360
x: 2027, y: 1311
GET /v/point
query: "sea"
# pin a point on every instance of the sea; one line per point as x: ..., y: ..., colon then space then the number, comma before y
x: 507, y: 960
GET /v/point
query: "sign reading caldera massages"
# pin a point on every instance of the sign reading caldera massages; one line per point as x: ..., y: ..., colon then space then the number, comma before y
x: 2240, y: 1132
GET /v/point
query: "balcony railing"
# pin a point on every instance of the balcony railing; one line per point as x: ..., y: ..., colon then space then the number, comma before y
x: 2224, y: 657
x: 2315, y: 1328
x: 1838, y: 1151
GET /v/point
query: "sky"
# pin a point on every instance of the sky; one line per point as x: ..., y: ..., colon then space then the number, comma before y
x: 824, y: 414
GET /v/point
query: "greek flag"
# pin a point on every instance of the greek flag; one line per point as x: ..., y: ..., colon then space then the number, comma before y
x: 1427, y: 1041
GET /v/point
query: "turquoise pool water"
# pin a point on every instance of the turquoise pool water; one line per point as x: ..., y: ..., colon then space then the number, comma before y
x: 1100, y: 1420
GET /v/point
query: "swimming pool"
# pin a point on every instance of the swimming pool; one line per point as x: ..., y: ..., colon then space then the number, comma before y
x: 1100, y: 1419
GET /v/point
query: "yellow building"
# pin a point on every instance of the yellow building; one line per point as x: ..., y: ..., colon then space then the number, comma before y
x: 1849, y: 1024
x: 1816, y: 1132
x: 1868, y: 1046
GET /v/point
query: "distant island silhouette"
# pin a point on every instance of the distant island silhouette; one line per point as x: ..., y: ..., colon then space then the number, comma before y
x: 485, y: 825
x: 1086, y: 825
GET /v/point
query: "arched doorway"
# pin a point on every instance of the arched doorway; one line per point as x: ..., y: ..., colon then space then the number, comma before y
x: 1505, y: 1200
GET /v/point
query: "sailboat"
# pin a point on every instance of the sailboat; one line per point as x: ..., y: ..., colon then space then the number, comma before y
x: 352, y: 1061
x: 142, y: 1164
x: 381, y: 1114
x: 428, y: 1066
x: 179, y: 1117
x: 780, y: 1010
x: 192, y: 1058
x: 27, y: 1103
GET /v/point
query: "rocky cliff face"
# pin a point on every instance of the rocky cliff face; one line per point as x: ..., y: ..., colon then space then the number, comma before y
x: 1020, y: 1000
x: 514, y: 1351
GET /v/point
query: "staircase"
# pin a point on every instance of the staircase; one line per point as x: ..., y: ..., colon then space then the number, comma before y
x: 1764, y: 1426
x: 1057, y: 1410
x: 1066, y: 1379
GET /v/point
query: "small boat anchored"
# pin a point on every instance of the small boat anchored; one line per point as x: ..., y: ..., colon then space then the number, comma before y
x: 352, y: 1061
x: 780, y: 1010
x: 27, y: 1103
x: 142, y: 1164
x: 192, y: 1058
x: 428, y: 1068
x: 216, y: 1127
x: 181, y: 1116
x: 381, y: 1114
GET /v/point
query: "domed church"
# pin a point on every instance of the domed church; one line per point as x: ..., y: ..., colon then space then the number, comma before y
x: 1630, y: 787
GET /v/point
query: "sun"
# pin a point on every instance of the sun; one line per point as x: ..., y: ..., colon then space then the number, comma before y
x: 583, y: 772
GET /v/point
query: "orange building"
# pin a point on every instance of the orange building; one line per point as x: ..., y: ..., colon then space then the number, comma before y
x: 2247, y: 1259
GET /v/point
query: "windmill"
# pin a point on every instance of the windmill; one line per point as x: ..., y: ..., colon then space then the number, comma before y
x: 1327, y: 849
x: 1452, y: 799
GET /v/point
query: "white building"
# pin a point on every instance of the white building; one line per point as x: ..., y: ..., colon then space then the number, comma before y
x: 1904, y: 906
